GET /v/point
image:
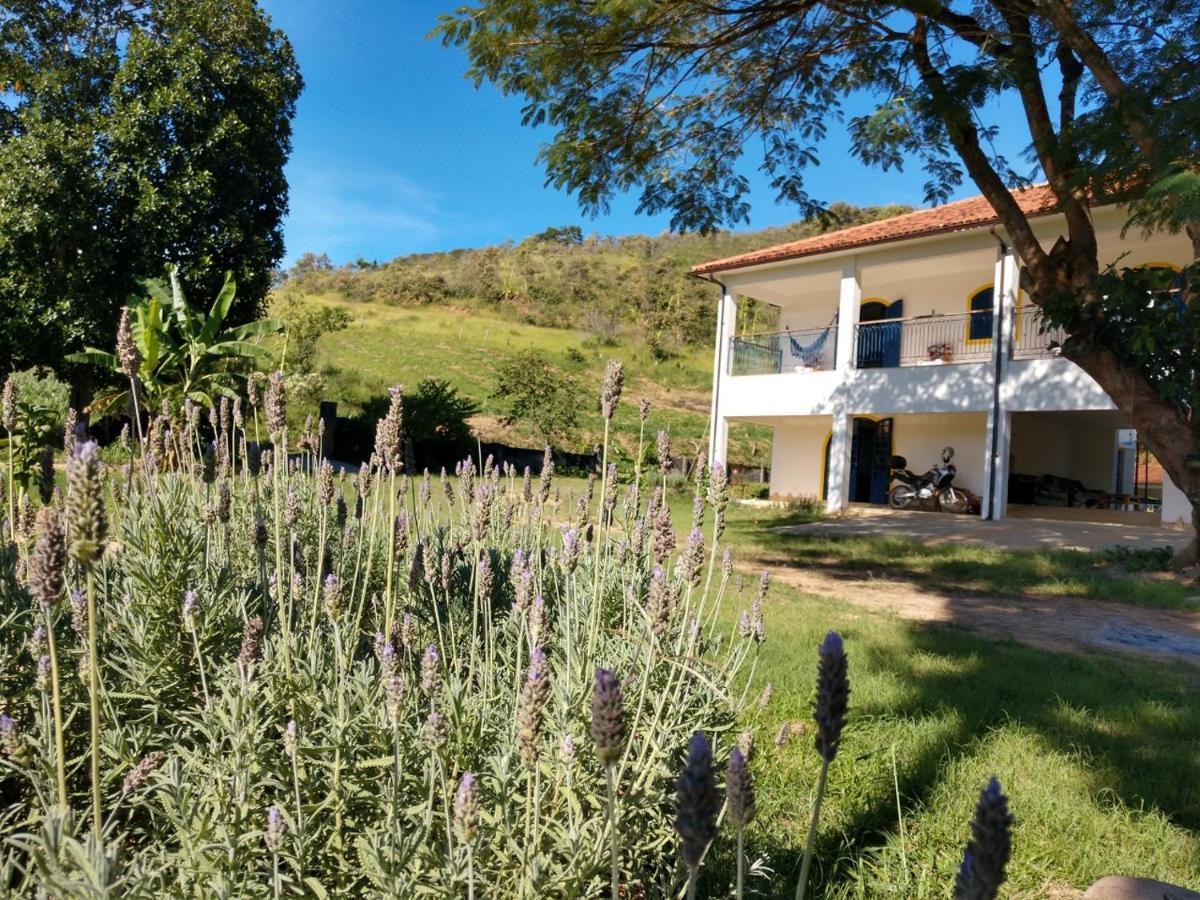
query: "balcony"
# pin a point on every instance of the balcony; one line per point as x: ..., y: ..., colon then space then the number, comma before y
x: 811, y: 350
x: 931, y: 340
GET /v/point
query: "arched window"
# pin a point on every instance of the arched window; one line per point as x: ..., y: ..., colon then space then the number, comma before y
x: 980, y: 305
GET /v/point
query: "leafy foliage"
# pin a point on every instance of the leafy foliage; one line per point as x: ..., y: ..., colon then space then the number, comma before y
x: 536, y: 393
x: 185, y: 354
x: 135, y: 132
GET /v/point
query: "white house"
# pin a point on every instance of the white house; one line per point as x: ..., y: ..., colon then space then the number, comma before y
x: 910, y: 334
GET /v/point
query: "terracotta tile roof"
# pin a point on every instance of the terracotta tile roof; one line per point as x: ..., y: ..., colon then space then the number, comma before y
x: 974, y: 212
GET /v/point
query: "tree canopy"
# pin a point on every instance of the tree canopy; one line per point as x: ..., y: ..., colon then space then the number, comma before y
x: 665, y: 97
x: 135, y: 134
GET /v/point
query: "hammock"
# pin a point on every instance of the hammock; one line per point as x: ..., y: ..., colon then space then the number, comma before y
x: 810, y: 355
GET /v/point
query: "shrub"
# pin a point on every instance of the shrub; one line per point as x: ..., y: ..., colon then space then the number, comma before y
x: 540, y: 395
x: 296, y: 675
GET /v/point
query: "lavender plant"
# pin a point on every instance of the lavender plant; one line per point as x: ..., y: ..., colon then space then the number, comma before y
x: 261, y: 716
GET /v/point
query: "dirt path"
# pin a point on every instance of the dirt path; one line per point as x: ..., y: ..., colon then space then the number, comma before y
x: 1052, y: 624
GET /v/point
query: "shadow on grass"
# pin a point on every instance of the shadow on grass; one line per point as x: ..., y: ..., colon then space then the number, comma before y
x: 1135, y: 728
x: 1135, y: 577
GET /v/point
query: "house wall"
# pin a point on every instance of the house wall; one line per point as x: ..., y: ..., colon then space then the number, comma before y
x: 1176, y: 509
x: 798, y: 457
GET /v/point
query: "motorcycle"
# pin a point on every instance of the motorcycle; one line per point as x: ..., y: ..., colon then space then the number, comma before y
x: 935, y: 485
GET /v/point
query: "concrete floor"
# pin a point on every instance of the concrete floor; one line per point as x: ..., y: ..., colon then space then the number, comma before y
x: 1007, y: 534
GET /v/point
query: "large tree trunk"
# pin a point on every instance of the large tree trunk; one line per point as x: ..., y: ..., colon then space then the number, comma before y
x: 1160, y: 425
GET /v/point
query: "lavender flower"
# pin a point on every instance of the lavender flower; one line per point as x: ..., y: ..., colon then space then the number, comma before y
x: 126, y: 349
x: 644, y: 409
x: 764, y: 699
x: 9, y: 405
x: 697, y: 802
x: 466, y: 809
x: 332, y: 596
x: 87, y: 522
x: 435, y: 732
x: 251, y: 650
x: 533, y: 702
x: 12, y: 742
x: 325, y: 482
x: 276, y: 406
x: 189, y: 610
x: 739, y: 789
x: 48, y: 559
x: 610, y: 392
x: 783, y: 735
x: 431, y: 675
x: 692, y: 558
x: 395, y: 688
x: 570, y: 554
x: 276, y: 828
x: 70, y: 431
x: 537, y: 620
x: 388, y: 432
x: 664, y: 452
x: 988, y: 851
x: 608, y: 718
x: 745, y: 743
x: 833, y: 694
x: 41, y: 677
x: 46, y: 475
x: 79, y: 614
x: 547, y: 476
x: 291, y: 740
x: 566, y: 750
x: 138, y: 775
x: 407, y: 630
x: 660, y: 604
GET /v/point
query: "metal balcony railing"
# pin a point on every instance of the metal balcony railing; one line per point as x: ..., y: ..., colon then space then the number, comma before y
x: 1032, y: 335
x: 932, y: 340
x: 809, y: 350
x: 924, y: 341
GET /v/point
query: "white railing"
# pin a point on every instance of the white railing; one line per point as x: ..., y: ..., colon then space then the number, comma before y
x: 1033, y: 337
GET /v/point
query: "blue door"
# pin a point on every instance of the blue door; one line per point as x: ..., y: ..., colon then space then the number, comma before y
x: 879, y: 336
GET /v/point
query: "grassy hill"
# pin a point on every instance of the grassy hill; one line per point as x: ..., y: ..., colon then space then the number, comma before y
x: 575, y: 301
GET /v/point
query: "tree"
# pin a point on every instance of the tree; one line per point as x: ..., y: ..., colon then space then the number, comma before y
x: 135, y: 132
x: 665, y: 95
x: 537, y: 393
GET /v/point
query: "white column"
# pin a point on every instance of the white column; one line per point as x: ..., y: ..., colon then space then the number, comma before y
x: 1005, y: 284
x: 718, y: 428
x: 838, y: 473
x: 849, y: 300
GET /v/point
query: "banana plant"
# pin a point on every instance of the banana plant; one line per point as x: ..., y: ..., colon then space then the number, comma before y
x: 185, y: 353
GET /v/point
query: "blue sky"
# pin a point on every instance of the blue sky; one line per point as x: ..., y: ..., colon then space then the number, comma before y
x: 395, y: 152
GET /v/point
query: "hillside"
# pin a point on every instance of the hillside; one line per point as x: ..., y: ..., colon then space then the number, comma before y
x: 576, y: 301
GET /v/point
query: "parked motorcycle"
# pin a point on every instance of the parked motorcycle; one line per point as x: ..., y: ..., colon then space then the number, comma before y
x: 935, y: 485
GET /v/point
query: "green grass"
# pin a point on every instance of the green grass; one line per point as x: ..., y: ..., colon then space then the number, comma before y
x: 1098, y: 753
x: 404, y: 344
x: 1098, y: 756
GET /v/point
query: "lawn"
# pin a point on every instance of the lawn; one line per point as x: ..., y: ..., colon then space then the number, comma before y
x: 1097, y: 753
